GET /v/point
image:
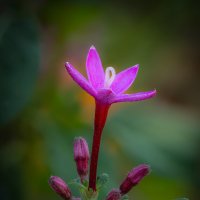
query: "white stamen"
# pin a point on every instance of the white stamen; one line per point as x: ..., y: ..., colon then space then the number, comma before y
x: 109, y: 76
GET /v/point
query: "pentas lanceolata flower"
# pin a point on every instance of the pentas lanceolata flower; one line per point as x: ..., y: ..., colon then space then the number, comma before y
x: 60, y: 187
x: 134, y: 177
x: 81, y: 157
x: 114, y: 194
x: 106, y: 88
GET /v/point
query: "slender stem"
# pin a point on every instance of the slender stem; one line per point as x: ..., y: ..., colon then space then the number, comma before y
x: 101, y: 112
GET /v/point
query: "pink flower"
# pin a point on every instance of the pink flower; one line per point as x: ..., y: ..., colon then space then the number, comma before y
x: 134, y: 177
x: 81, y: 156
x: 107, y: 87
x: 60, y: 187
x: 114, y: 194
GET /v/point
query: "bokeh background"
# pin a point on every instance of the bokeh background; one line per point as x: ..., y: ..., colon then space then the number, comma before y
x: 42, y: 109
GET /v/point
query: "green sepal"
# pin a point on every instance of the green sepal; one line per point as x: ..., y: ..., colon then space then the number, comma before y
x: 102, y: 180
x: 125, y: 197
x: 85, y: 183
x: 88, y: 194
x: 77, y: 183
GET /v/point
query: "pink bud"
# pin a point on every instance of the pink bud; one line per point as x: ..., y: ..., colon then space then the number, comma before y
x: 60, y: 187
x: 134, y: 177
x: 81, y: 156
x: 114, y: 194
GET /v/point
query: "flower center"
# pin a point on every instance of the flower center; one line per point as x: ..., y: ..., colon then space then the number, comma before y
x: 109, y: 76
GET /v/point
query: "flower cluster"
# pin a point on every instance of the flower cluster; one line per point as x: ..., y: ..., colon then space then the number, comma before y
x: 106, y: 88
x: 81, y: 157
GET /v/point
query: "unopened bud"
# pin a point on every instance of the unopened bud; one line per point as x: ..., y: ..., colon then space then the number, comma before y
x: 114, y: 194
x: 60, y: 187
x: 81, y: 156
x: 134, y: 177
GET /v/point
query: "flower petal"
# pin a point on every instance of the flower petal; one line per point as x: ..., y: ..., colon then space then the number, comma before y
x: 124, y: 79
x: 94, y: 69
x: 80, y: 79
x: 134, y: 97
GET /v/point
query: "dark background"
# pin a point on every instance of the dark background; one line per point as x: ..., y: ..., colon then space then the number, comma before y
x: 42, y: 109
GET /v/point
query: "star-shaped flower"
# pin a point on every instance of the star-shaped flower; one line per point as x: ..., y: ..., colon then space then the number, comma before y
x: 107, y: 87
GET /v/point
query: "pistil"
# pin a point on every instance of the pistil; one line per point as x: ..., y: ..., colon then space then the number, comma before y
x: 109, y: 76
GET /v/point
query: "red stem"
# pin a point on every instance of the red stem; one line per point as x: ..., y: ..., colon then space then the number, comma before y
x: 101, y: 112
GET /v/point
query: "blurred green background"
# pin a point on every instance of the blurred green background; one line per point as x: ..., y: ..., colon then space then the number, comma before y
x: 42, y: 109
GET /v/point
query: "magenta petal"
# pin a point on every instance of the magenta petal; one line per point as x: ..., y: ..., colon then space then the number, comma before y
x: 124, y: 79
x: 80, y: 79
x: 134, y: 97
x: 94, y: 69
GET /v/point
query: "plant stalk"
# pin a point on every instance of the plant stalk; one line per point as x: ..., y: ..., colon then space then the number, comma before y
x: 101, y: 112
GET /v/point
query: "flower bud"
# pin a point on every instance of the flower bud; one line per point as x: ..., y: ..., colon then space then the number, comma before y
x: 114, y: 194
x: 134, y: 177
x: 81, y: 156
x: 60, y: 187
